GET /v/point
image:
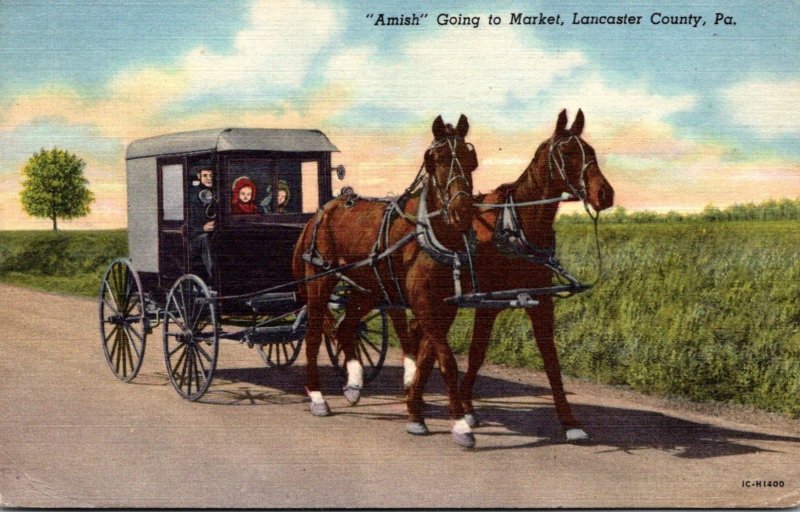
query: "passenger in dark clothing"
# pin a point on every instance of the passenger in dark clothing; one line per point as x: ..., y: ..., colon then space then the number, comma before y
x: 202, y: 212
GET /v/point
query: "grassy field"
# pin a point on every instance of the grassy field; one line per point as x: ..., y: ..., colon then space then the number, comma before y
x: 705, y: 311
x: 701, y: 310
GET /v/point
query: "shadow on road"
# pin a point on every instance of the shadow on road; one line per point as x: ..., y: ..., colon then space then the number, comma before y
x: 519, y: 409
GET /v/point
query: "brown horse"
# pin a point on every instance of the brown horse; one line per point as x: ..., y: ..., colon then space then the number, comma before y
x: 410, y: 246
x: 516, y: 243
x: 516, y: 248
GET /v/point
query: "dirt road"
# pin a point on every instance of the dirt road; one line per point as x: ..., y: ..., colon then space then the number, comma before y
x: 71, y: 435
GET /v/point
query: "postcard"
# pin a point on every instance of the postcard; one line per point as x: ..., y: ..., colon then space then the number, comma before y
x: 345, y: 254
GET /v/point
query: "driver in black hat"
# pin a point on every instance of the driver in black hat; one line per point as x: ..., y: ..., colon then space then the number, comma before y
x: 202, y: 212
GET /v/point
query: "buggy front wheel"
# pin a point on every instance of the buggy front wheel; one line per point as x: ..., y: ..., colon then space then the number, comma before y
x: 191, y: 337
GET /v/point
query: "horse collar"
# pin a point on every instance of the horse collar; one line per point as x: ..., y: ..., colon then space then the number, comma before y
x: 431, y: 245
x: 510, y: 239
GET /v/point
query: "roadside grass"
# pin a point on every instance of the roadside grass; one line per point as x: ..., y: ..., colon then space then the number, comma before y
x: 708, y: 311
x: 70, y: 262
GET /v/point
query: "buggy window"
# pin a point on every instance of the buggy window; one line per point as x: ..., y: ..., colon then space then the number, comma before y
x: 310, y: 186
x: 264, y: 185
x: 172, y: 192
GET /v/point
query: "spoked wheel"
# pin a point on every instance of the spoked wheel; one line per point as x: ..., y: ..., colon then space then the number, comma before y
x: 282, y: 354
x: 372, y: 338
x: 123, y: 327
x: 191, y: 337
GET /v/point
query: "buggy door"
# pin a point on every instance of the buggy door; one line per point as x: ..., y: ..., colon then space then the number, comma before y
x: 172, y: 235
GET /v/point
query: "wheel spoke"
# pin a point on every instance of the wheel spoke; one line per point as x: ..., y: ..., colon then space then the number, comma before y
x: 128, y: 346
x: 187, y: 355
x: 110, y: 306
x: 130, y: 330
x: 202, y: 351
x: 111, y: 333
x: 191, y: 372
x: 196, y: 309
x: 118, y: 286
x: 198, y: 317
x: 366, y: 342
x: 127, y: 296
x: 119, y: 344
x: 180, y: 345
x: 113, y: 298
x: 200, y: 360
x: 182, y: 306
x: 178, y: 322
x: 179, y: 362
x: 371, y: 317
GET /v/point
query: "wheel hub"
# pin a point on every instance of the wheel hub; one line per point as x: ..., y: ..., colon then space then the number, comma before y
x: 186, y: 336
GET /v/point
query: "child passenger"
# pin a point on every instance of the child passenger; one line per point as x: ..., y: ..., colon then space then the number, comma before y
x: 244, y: 194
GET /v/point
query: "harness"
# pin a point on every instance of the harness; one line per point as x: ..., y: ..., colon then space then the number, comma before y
x: 423, y: 231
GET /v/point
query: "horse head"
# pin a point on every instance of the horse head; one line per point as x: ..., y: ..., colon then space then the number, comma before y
x: 572, y: 165
x: 449, y: 162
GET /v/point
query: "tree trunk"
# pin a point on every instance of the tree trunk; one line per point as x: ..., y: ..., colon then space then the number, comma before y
x: 55, y: 223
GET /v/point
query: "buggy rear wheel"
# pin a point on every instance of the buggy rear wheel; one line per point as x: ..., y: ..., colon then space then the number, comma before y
x: 372, y: 336
x: 123, y: 324
x: 191, y: 337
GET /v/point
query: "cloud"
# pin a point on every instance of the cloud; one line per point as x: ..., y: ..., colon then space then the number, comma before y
x: 271, y: 55
x: 496, y: 77
x: 768, y: 108
x: 450, y: 72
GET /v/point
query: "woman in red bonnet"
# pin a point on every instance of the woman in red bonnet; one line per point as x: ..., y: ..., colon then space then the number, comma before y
x: 244, y: 194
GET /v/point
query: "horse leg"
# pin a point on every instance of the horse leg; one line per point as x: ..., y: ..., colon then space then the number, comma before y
x: 408, y: 342
x: 481, y: 333
x: 435, y: 336
x: 543, y: 320
x: 316, y: 309
x: 346, y: 333
x: 414, y: 402
x: 461, y: 431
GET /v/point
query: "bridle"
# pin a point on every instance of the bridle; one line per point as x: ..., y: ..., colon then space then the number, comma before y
x: 456, y: 173
x: 555, y: 158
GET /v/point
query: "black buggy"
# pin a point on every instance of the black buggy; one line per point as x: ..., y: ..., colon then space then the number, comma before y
x: 245, y: 291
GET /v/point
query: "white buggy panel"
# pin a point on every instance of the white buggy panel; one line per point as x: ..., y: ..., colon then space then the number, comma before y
x: 143, y: 214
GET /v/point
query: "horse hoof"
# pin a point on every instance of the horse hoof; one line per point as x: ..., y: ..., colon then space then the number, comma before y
x: 417, y: 428
x: 465, y: 439
x: 472, y: 420
x: 577, y: 435
x: 352, y: 394
x: 320, y: 409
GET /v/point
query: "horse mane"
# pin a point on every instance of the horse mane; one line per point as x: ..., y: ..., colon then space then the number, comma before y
x: 507, y: 188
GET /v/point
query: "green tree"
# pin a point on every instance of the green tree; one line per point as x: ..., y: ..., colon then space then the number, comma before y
x: 54, y: 186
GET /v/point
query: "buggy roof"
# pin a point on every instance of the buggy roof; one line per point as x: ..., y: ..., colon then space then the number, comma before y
x: 231, y: 139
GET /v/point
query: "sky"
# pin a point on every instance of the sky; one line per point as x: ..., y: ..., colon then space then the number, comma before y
x: 680, y: 116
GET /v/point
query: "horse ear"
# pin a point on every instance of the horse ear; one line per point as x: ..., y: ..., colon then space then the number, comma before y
x: 438, y: 128
x: 577, y: 125
x: 561, y: 125
x: 463, y: 126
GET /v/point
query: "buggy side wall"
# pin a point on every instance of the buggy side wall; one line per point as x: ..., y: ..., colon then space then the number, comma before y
x: 143, y: 214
